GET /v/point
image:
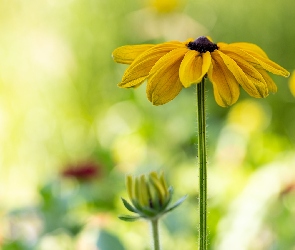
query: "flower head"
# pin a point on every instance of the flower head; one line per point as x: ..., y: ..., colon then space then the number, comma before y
x: 170, y: 66
x: 149, y: 195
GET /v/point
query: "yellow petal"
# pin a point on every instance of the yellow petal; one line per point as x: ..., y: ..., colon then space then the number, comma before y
x: 209, y: 38
x: 250, y: 47
x: 139, y: 70
x: 137, y: 191
x: 269, y: 65
x: 206, y: 63
x: 226, y: 88
x: 221, y: 45
x: 164, y: 184
x: 253, y: 74
x: 145, y: 198
x: 188, y: 41
x: 158, y: 187
x: 127, y: 54
x: 257, y: 91
x: 193, y: 67
x: 130, y: 185
x: 257, y: 60
x: 272, y: 87
x: 164, y: 83
x: 190, y: 68
x: 230, y: 49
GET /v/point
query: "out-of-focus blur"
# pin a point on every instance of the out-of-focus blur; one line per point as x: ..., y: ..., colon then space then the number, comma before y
x: 69, y: 135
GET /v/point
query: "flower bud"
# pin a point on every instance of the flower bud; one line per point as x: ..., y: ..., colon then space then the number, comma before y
x: 149, y: 196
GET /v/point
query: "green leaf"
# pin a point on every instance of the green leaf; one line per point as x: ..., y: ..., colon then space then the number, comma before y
x: 129, y: 218
x: 129, y: 206
x: 176, y: 204
x: 108, y: 241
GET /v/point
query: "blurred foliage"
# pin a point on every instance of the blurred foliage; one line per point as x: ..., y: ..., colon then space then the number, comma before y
x: 60, y: 107
x: 108, y: 242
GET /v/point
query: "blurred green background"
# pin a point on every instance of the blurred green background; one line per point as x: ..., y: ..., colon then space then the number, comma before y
x: 69, y: 135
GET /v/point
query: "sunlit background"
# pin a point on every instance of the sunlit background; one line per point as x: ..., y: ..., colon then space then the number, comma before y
x: 69, y: 135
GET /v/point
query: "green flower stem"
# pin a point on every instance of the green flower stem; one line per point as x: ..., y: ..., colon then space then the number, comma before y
x: 155, y: 233
x: 202, y: 165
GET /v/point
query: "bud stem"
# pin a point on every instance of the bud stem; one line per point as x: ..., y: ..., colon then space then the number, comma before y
x: 155, y: 233
x: 202, y: 165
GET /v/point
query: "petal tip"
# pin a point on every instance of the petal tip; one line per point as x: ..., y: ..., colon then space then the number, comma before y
x: 287, y: 74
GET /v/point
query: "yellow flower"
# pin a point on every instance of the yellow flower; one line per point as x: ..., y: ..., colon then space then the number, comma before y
x: 170, y: 66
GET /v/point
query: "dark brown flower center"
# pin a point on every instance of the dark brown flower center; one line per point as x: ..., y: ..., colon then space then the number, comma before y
x: 202, y: 45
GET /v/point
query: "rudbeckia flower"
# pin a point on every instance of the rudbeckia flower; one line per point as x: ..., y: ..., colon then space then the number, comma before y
x: 170, y: 66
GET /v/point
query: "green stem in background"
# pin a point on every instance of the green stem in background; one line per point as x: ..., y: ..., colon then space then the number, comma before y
x: 202, y: 165
x: 155, y: 233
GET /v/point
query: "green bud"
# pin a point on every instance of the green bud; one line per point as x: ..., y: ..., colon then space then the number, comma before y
x: 149, y: 196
